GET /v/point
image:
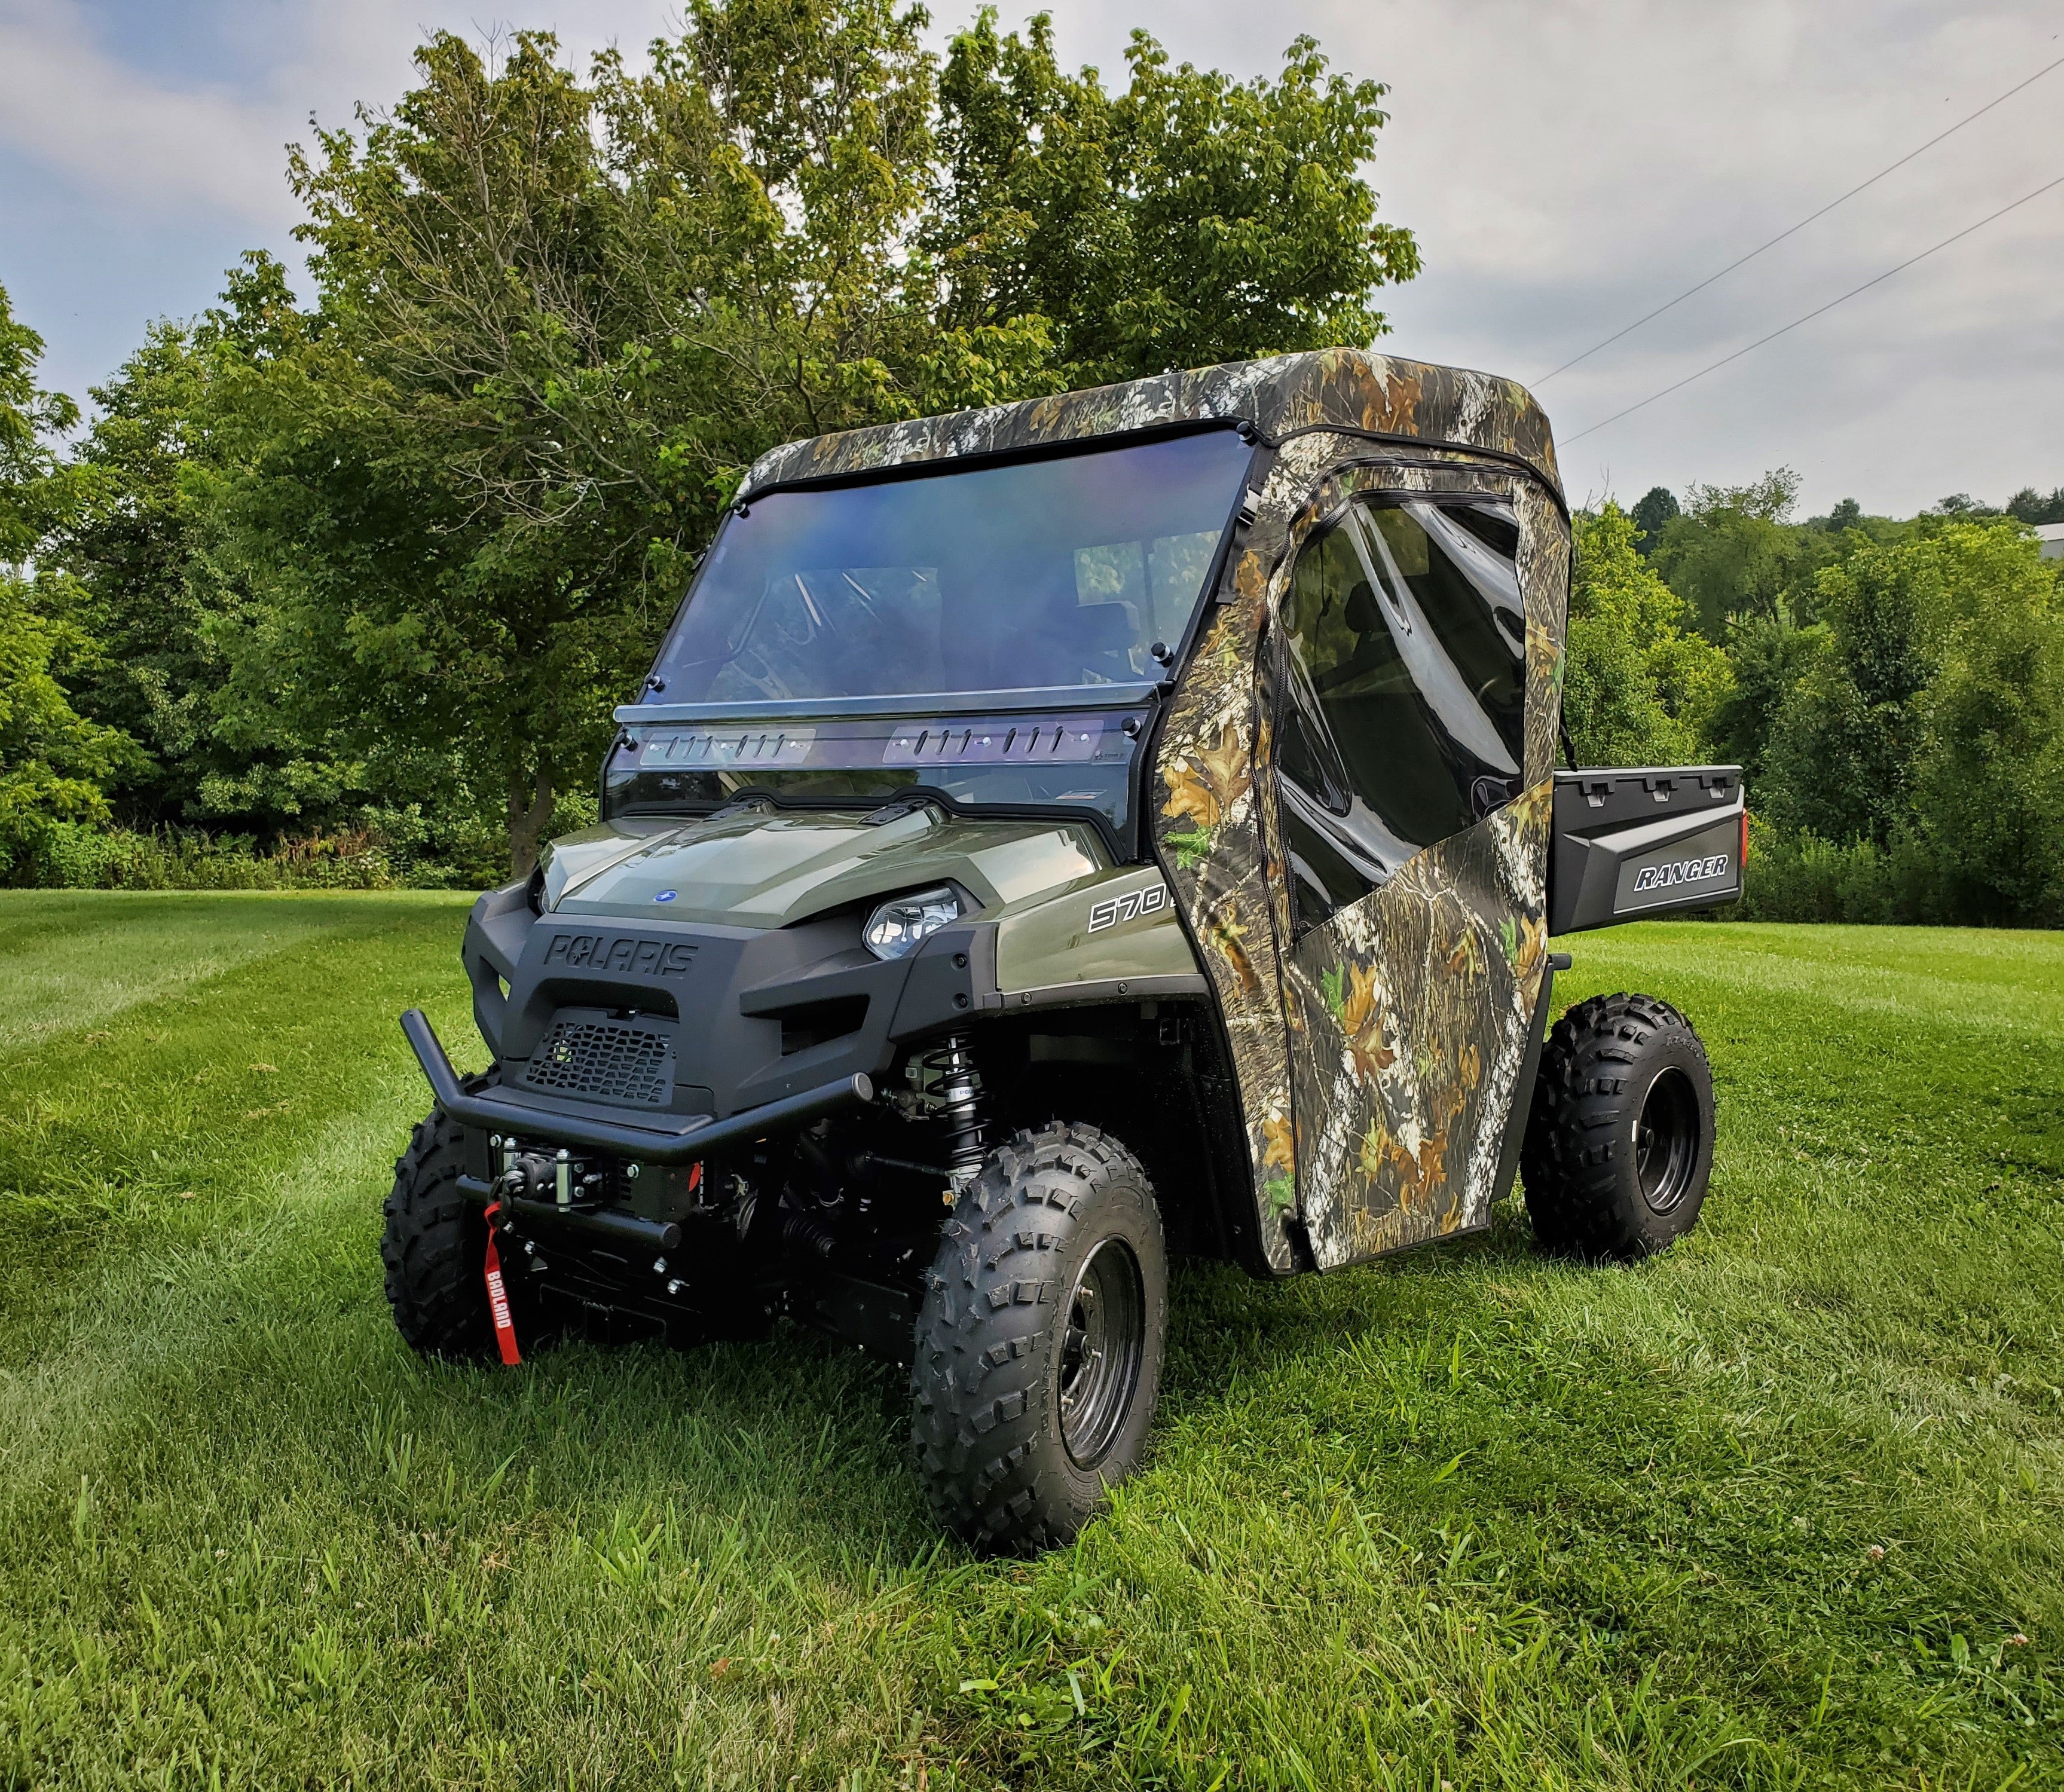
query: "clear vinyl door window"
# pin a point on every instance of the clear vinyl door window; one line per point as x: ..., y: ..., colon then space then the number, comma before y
x: 1402, y: 690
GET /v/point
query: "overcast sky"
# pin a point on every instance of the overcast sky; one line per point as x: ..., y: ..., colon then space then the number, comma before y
x: 1568, y: 166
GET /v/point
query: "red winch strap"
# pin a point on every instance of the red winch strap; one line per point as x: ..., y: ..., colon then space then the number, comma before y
x: 497, y: 1297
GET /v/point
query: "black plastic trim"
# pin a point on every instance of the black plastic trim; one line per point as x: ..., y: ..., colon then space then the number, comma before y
x: 938, y: 465
x: 1088, y: 813
x: 1105, y: 990
x: 1529, y: 1074
x: 1611, y: 823
x: 900, y: 707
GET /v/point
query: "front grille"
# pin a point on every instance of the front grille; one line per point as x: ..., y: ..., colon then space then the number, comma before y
x: 611, y: 1059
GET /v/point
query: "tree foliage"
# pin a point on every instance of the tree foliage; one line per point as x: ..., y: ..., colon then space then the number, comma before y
x: 451, y: 506
x: 2030, y: 505
x: 383, y: 560
x: 1988, y: 787
x: 445, y: 495
x: 1189, y: 220
x: 1933, y: 718
x: 1640, y: 687
x: 30, y: 419
x: 1891, y: 689
x: 1656, y: 506
x: 1731, y: 555
x: 52, y: 761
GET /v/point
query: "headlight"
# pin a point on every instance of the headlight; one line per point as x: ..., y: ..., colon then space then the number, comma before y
x: 895, y: 929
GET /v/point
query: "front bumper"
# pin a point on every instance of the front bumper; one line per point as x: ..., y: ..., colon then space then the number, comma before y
x: 699, y: 1137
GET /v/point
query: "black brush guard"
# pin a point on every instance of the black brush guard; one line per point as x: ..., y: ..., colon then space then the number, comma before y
x: 702, y: 1136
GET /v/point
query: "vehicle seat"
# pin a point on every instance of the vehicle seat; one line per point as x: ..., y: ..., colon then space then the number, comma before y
x: 1062, y: 641
x: 1108, y: 633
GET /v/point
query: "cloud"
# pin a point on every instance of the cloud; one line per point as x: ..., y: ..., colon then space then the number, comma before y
x: 1566, y: 167
x: 147, y: 129
x: 108, y: 130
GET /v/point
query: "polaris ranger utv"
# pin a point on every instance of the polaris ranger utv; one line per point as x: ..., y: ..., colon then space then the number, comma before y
x: 1052, y: 837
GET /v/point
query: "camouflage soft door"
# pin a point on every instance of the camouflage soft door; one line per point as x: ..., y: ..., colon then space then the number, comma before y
x: 1406, y: 802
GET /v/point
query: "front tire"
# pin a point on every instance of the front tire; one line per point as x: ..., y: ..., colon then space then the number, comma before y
x: 435, y: 1248
x: 1620, y: 1145
x: 1040, y: 1340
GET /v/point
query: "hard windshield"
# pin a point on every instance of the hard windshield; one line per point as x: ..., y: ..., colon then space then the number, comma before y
x: 1060, y: 572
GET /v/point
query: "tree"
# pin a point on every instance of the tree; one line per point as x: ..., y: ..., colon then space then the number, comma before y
x: 1767, y: 661
x: 1639, y: 688
x: 432, y: 492
x: 126, y: 545
x: 775, y: 165
x: 1189, y: 220
x: 29, y: 417
x: 145, y: 583
x: 1962, y: 504
x: 1657, y: 506
x: 1988, y: 784
x: 1908, y: 625
x: 2030, y: 505
x: 557, y: 318
x: 1731, y: 555
x: 50, y: 759
x: 1842, y: 754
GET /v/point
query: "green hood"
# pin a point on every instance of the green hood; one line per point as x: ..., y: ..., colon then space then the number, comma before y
x: 763, y: 867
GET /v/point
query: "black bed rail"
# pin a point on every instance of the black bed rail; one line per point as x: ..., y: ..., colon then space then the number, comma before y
x: 1630, y: 842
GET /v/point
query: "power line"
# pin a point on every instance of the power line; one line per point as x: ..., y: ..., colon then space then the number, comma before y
x: 1803, y: 223
x: 1817, y: 311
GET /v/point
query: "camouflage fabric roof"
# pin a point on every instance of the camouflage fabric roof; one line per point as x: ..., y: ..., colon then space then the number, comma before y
x: 1350, y: 389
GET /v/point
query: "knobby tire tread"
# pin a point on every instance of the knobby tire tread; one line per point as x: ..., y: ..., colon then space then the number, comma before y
x: 433, y: 1245
x: 1569, y: 1162
x: 983, y: 1456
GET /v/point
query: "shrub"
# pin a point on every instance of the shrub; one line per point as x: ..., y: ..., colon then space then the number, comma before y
x: 1795, y: 875
x: 72, y: 856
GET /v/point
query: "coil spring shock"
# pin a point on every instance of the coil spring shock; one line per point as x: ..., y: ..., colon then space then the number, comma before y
x: 957, y: 1090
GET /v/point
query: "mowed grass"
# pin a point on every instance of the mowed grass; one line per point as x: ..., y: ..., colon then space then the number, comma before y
x: 1783, y: 1507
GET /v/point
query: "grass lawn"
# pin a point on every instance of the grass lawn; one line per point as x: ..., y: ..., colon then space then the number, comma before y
x: 1783, y: 1507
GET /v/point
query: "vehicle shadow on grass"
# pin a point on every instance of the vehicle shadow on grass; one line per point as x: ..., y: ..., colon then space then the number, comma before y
x: 808, y: 1440
x: 1224, y: 1322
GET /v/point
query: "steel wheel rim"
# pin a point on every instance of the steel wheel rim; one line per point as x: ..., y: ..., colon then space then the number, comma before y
x: 1666, y: 1140
x: 1103, y: 1341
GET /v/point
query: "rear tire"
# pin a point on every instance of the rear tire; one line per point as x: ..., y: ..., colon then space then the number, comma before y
x: 1620, y: 1145
x: 1040, y: 1340
x: 435, y: 1250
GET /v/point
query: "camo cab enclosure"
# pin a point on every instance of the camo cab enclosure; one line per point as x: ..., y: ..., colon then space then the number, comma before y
x: 1352, y: 781
x: 1057, y: 835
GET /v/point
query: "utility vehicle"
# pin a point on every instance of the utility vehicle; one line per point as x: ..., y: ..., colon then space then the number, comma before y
x: 1052, y: 838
